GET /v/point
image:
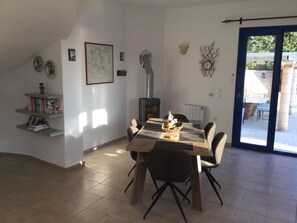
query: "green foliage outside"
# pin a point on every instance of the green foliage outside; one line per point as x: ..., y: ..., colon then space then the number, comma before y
x: 259, y: 65
x: 266, y: 44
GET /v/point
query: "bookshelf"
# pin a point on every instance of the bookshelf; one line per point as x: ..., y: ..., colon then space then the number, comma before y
x: 44, y: 107
x: 50, y: 132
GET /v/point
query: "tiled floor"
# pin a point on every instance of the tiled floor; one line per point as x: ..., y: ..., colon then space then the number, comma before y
x: 256, y: 187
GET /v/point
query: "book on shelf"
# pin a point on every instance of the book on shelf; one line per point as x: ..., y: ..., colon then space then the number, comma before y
x: 50, y: 106
x: 52, y: 132
x: 38, y: 128
x: 36, y: 123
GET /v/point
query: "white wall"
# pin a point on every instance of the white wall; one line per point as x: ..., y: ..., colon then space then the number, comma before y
x: 73, y: 102
x: 178, y: 78
x: 103, y: 23
x: 144, y: 29
x: 13, y: 87
x: 200, y: 26
x: 129, y: 30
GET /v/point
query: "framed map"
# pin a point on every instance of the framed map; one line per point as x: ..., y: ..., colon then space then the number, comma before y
x: 99, y: 63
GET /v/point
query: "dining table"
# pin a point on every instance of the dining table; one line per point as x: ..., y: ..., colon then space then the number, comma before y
x: 190, y: 138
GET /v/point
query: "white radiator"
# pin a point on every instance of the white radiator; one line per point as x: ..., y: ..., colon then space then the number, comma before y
x: 194, y: 112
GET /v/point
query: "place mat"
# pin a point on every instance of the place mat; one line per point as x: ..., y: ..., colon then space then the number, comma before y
x: 191, y: 126
x: 192, y: 137
x: 173, y: 145
x: 152, y: 126
x: 149, y: 134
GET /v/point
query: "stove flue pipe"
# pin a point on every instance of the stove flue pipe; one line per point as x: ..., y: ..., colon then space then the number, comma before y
x: 145, y: 61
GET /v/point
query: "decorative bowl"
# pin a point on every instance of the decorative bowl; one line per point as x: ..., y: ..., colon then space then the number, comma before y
x: 168, y: 127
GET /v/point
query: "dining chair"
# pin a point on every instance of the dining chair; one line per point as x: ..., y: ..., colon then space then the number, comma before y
x: 131, y: 132
x: 210, y: 162
x: 209, y: 131
x: 179, y: 117
x: 130, y: 135
x: 171, y: 166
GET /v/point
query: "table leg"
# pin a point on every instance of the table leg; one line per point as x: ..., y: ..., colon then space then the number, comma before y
x: 139, y: 178
x: 196, y: 184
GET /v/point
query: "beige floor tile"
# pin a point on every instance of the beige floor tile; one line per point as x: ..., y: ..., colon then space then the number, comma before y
x: 247, y: 217
x: 25, y: 214
x: 85, y: 199
x: 273, y: 220
x: 105, y: 206
x: 86, y: 216
x: 218, y: 210
x: 101, y: 190
x: 34, y: 192
x: 261, y: 188
x: 254, y: 207
x: 257, y: 196
x: 281, y: 213
x: 55, y: 206
x: 214, y: 219
x: 48, y: 217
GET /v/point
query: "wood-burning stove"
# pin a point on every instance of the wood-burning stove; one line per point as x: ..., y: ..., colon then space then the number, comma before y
x: 148, y: 108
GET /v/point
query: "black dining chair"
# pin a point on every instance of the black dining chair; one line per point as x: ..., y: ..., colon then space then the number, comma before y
x: 131, y: 132
x: 171, y: 166
x: 179, y: 117
x: 135, y: 126
x: 133, y: 154
x: 210, y: 162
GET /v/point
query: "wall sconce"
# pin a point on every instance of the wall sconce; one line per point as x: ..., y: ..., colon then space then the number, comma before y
x: 183, y: 48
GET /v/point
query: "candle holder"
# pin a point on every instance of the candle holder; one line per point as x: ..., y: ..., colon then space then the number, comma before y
x: 41, y: 88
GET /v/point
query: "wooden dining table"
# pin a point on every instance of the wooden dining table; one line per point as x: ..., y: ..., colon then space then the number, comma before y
x: 190, y: 138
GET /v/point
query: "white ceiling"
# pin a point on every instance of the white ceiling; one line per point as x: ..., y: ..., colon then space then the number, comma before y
x: 28, y: 26
x: 176, y: 3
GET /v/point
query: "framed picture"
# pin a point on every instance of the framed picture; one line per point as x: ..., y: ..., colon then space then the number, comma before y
x: 71, y: 55
x: 122, y: 56
x: 99, y: 63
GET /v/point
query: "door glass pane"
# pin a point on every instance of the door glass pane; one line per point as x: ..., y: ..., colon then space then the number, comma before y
x: 257, y: 89
x: 286, y: 122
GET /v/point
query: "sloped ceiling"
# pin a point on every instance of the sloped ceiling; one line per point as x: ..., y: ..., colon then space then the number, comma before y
x: 28, y: 26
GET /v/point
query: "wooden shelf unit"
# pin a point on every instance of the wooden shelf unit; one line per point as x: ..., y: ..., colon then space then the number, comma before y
x: 49, y: 132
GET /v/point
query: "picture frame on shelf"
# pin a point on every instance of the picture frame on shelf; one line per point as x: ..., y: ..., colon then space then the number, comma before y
x: 71, y: 55
x: 99, y: 63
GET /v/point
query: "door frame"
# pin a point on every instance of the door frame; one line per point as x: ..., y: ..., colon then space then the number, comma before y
x: 244, y: 33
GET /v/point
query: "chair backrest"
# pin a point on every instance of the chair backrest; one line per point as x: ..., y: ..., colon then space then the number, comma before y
x: 169, y: 165
x: 209, y: 131
x: 131, y: 132
x: 179, y: 117
x: 130, y: 136
x: 135, y: 122
x: 218, y: 145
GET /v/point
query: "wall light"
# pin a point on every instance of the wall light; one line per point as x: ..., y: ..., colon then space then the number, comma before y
x: 183, y: 48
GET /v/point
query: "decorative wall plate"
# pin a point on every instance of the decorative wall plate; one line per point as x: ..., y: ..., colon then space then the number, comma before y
x: 38, y: 64
x: 50, y: 69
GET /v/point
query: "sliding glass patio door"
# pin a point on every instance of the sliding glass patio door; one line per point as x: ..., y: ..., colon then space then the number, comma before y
x: 265, y: 90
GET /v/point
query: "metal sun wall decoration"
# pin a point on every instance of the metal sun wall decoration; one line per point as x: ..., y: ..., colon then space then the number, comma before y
x: 208, y: 54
